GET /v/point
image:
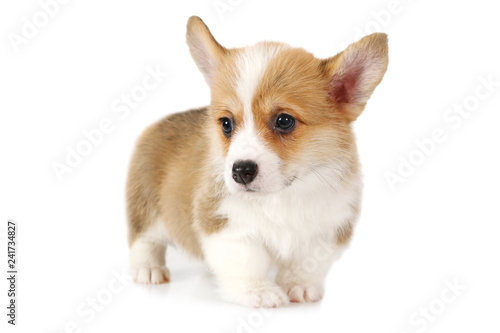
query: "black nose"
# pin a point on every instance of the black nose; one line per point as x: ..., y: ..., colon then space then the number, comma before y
x: 244, y: 172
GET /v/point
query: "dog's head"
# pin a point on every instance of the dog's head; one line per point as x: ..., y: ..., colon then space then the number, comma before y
x: 278, y: 112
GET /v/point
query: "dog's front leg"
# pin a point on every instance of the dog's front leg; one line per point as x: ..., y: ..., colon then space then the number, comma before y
x: 240, y: 265
x: 302, y: 276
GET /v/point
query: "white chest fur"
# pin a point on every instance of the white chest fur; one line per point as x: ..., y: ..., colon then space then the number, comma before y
x: 307, y: 211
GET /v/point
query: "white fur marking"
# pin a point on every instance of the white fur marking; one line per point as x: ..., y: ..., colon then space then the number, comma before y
x: 252, y: 64
x: 147, y: 256
x: 246, y: 144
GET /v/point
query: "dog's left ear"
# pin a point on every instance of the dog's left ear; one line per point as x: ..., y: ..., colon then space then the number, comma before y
x: 355, y: 73
x: 205, y: 50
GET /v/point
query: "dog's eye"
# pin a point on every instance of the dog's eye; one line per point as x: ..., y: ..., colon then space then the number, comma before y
x: 227, y: 126
x: 285, y: 123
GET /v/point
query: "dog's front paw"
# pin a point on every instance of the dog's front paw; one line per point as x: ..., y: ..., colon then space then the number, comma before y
x: 304, y: 293
x: 267, y: 297
x: 258, y: 294
x: 150, y: 275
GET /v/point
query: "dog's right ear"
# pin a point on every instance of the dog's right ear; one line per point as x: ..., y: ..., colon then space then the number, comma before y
x: 355, y: 72
x: 205, y: 50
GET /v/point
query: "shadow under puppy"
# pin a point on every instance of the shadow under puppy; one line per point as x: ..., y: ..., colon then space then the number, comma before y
x: 267, y: 174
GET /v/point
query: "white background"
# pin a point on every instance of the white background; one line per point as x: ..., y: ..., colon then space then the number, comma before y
x: 441, y: 224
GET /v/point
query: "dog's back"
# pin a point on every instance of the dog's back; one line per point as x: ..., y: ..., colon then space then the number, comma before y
x: 166, y: 166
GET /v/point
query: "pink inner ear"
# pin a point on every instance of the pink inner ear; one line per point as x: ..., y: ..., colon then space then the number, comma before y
x: 345, y: 86
x: 206, y: 60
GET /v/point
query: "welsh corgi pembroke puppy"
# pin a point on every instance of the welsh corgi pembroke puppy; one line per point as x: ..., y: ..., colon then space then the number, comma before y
x: 265, y: 176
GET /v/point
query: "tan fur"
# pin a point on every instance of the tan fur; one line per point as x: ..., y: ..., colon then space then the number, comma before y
x: 202, y: 43
x: 166, y: 170
x: 344, y: 234
x: 357, y: 57
x: 172, y: 176
x: 206, y: 219
x: 295, y: 83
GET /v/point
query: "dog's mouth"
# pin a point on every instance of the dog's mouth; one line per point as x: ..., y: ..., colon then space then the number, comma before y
x: 287, y: 183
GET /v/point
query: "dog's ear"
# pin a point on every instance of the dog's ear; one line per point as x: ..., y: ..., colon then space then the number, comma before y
x: 355, y: 72
x: 205, y: 50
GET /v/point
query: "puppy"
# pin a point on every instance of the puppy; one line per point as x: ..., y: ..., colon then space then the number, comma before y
x: 267, y: 174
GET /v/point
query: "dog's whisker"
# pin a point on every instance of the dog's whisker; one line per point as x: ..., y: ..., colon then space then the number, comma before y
x: 267, y: 173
